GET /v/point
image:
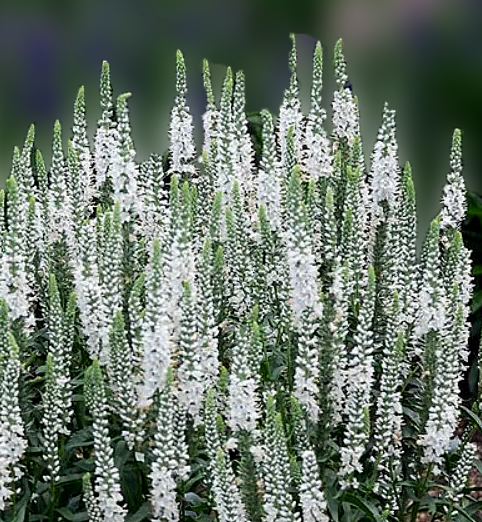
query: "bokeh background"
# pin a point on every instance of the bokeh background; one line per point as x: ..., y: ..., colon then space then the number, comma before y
x: 424, y: 57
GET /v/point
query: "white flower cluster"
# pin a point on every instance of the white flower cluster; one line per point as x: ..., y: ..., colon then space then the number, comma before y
x: 156, y: 332
x: 57, y: 398
x: 432, y: 303
x: 165, y: 468
x: 291, y: 116
x: 450, y: 358
x: 123, y: 169
x: 12, y: 441
x: 89, y: 292
x: 385, y: 169
x: 359, y: 386
x: 226, y: 493
x: 243, y: 400
x: 107, y: 482
x: 182, y: 148
x: 270, y: 177
x: 312, y: 500
x: 344, y: 115
x: 104, y: 143
x: 299, y: 256
x: 278, y: 502
x: 306, y: 378
x: 14, y: 280
x: 80, y: 143
x: 190, y: 372
x: 454, y: 204
x: 459, y: 478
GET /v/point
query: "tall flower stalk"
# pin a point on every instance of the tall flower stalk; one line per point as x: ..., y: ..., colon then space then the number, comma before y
x: 107, y: 486
x: 13, y: 443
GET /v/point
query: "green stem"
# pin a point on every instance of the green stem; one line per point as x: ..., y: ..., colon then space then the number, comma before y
x: 420, y: 492
x: 52, y: 501
x: 14, y: 501
x: 408, y: 379
x: 182, y: 491
x: 448, y: 518
x: 398, y: 498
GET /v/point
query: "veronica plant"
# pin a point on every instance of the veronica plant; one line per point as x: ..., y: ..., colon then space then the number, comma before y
x: 243, y: 332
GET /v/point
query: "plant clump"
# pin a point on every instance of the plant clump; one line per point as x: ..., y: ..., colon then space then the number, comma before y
x: 243, y: 333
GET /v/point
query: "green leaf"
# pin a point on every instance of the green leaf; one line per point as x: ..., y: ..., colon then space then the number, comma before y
x: 277, y: 372
x: 35, y: 449
x: 131, y: 483
x: 70, y: 478
x: 193, y: 499
x: 85, y: 464
x: 428, y: 502
x: 329, y: 479
x: 412, y: 415
x: 363, y: 505
x: 203, y: 517
x: 473, y: 417
x: 477, y: 270
x: 73, y: 517
x: 474, y: 508
x: 141, y: 514
x: 477, y: 302
x: 474, y: 204
x: 21, y: 508
x: 333, y: 505
x: 80, y: 438
x: 463, y: 512
x: 199, y: 476
x: 121, y: 454
x: 473, y: 377
x: 478, y: 465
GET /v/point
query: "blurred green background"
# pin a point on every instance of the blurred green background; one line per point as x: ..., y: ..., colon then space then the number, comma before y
x: 424, y: 57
